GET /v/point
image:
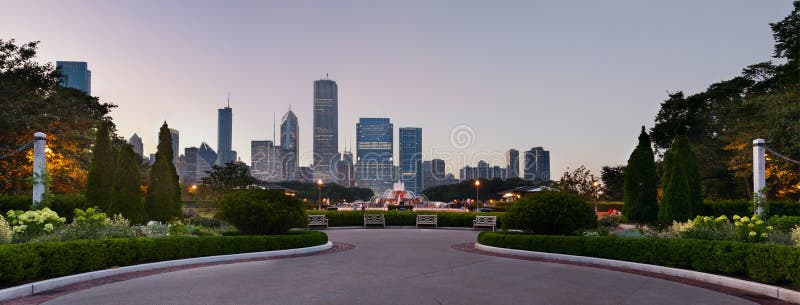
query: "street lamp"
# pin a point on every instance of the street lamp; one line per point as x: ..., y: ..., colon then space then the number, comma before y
x: 319, y: 194
x: 596, y: 185
x: 477, y: 188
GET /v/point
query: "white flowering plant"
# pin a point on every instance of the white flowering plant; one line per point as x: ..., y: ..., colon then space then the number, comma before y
x: 751, y: 229
x: 5, y: 231
x: 94, y: 224
x: 796, y: 236
x: 27, y: 225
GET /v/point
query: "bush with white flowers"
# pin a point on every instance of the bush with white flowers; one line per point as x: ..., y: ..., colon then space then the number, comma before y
x: 751, y: 229
x: 5, y: 231
x: 27, y: 225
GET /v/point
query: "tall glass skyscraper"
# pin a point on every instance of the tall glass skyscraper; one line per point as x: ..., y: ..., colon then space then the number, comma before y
x: 537, y: 165
x: 512, y: 163
x: 175, y: 136
x: 75, y: 74
x: 290, y: 132
x: 374, y: 147
x: 225, y: 134
x: 326, y: 129
x: 411, y: 158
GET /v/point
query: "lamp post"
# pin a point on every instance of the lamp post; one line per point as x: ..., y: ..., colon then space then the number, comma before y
x: 319, y: 194
x: 477, y: 188
x: 596, y: 185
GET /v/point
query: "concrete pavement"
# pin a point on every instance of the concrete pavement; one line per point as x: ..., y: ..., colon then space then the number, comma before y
x: 397, y: 267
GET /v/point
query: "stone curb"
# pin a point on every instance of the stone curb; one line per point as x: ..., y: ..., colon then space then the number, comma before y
x: 41, y: 286
x: 752, y: 287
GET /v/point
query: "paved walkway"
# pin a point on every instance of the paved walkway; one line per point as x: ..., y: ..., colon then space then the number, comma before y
x: 397, y: 266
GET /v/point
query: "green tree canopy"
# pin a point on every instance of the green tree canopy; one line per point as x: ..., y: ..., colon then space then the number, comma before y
x: 682, y: 189
x: 641, y: 183
x: 163, y: 201
x: 126, y: 198
x: 101, y: 169
x: 222, y: 180
x: 613, y: 178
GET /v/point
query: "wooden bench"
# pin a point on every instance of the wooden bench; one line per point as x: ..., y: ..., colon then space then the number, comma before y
x: 427, y: 220
x: 317, y: 220
x: 484, y: 221
x: 374, y: 219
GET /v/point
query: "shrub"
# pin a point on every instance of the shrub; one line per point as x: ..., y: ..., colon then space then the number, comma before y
x: 766, y: 263
x: 551, y: 213
x: 784, y: 223
x: 93, y: 224
x: 257, y: 212
x: 751, y: 229
x: 5, y: 231
x: 33, y: 261
x: 796, y: 236
x: 27, y: 225
x: 707, y: 227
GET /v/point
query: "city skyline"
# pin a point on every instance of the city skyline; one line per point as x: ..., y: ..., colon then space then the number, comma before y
x: 610, y: 78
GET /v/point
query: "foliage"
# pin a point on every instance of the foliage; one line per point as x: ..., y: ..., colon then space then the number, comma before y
x: 796, y: 236
x: 101, y: 169
x: 489, y: 189
x: 765, y: 263
x: 332, y: 191
x: 258, y: 212
x: 64, y: 205
x: 6, y: 235
x: 710, y: 228
x: 581, y: 182
x: 551, y: 213
x: 784, y: 223
x: 610, y: 220
x: 163, y: 200
x: 93, y: 224
x: 641, y: 183
x: 613, y: 178
x: 222, y: 180
x: 34, y: 261
x: 126, y: 198
x: 27, y: 225
x: 682, y: 192
x: 752, y: 230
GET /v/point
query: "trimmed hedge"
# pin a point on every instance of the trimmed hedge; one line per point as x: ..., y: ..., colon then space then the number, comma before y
x: 402, y: 218
x: 21, y: 263
x: 765, y: 263
x: 784, y: 223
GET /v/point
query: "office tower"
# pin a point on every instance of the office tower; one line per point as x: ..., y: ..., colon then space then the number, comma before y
x: 483, y: 169
x: 175, y: 137
x: 181, y: 169
x: 346, y: 170
x: 497, y: 172
x: 305, y: 174
x: 411, y: 158
x: 512, y: 163
x: 266, y: 161
x: 225, y: 134
x: 151, y: 160
x: 190, y: 153
x: 468, y: 173
x: 537, y: 165
x: 136, y: 142
x: 326, y: 129
x: 75, y: 74
x: 290, y: 132
x: 433, y: 173
x: 206, y: 159
x: 374, y: 147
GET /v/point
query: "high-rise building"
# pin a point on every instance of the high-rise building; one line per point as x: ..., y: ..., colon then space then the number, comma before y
x: 75, y: 74
x: 482, y: 171
x: 326, y: 129
x: 512, y: 163
x: 374, y: 147
x: 346, y: 170
x: 290, y: 133
x: 190, y: 154
x: 266, y: 161
x: 206, y: 158
x: 181, y: 169
x: 175, y: 138
x: 537, y: 165
x: 433, y: 173
x: 136, y: 142
x: 225, y: 134
x: 411, y: 158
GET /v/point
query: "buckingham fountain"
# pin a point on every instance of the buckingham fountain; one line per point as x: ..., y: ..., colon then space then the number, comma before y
x: 399, y: 197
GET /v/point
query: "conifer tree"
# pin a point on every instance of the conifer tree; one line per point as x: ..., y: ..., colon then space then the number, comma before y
x: 163, y: 201
x: 101, y: 169
x: 641, y: 183
x: 126, y: 198
x: 682, y: 197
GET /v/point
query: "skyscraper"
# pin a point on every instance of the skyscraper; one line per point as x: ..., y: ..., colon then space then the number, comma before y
x: 225, y: 134
x: 433, y: 173
x: 175, y: 137
x: 537, y: 165
x: 190, y: 154
x: 266, y: 161
x: 75, y: 74
x: 512, y: 163
x: 411, y: 158
x: 326, y: 129
x: 346, y: 170
x: 290, y: 132
x: 136, y: 142
x: 374, y: 147
x: 206, y: 158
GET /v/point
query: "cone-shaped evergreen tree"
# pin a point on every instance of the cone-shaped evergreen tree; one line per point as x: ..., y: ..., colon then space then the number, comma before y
x: 682, y: 189
x: 125, y: 198
x: 163, y: 193
x: 641, y: 183
x: 101, y: 169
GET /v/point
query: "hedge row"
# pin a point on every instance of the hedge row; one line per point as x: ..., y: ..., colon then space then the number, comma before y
x: 727, y: 208
x: 35, y: 261
x: 402, y: 218
x: 765, y: 263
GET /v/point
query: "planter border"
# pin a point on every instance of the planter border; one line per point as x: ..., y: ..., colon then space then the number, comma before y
x: 50, y: 284
x: 752, y: 287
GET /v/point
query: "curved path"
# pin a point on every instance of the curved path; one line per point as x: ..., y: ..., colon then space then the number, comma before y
x: 397, y: 267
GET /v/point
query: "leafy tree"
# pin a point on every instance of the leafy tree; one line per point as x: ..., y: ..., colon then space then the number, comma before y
x: 126, y: 198
x: 550, y: 213
x: 163, y: 201
x: 101, y: 170
x: 580, y: 182
x: 32, y: 100
x: 260, y: 212
x: 682, y: 188
x: 613, y: 178
x: 222, y: 180
x: 641, y: 183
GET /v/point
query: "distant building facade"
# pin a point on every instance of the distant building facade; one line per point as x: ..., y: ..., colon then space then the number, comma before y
x: 266, y: 161
x: 206, y: 159
x: 225, y: 135
x: 326, y: 129
x: 290, y: 139
x: 136, y: 142
x: 482, y: 171
x: 512, y: 163
x: 433, y: 173
x: 346, y: 172
x: 175, y: 137
x: 190, y: 155
x: 411, y: 158
x: 76, y: 75
x: 537, y: 165
x: 374, y: 147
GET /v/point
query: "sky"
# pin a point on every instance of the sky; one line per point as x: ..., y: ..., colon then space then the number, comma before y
x: 578, y: 78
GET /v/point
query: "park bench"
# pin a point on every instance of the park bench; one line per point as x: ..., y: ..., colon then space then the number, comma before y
x: 484, y: 221
x: 427, y: 220
x: 317, y: 220
x: 374, y: 219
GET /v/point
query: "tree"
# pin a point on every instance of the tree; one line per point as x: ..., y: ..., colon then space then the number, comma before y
x: 682, y: 189
x: 222, y: 180
x: 101, y: 169
x: 489, y: 189
x: 163, y: 201
x: 126, y: 198
x: 640, y: 183
x: 613, y: 182
x: 580, y: 182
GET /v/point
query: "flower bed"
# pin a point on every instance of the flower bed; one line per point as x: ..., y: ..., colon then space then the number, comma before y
x: 401, y: 218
